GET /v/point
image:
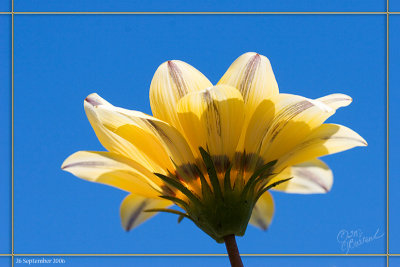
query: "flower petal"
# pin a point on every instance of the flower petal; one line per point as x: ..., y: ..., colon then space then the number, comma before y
x: 311, y: 177
x: 336, y: 101
x: 115, y: 170
x: 258, y: 126
x: 140, y: 137
x: 154, y: 137
x: 172, y: 81
x: 295, y: 118
x: 132, y: 210
x: 212, y: 119
x: 263, y: 211
x: 151, y: 135
x: 252, y: 75
x: 112, y: 141
x: 290, y: 120
x: 326, y: 139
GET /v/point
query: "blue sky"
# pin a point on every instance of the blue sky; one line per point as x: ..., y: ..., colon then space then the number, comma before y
x: 59, y: 60
x: 208, y: 5
x: 5, y: 134
x: 394, y: 6
x: 5, y: 261
x: 394, y: 131
x: 181, y: 5
x: 5, y: 5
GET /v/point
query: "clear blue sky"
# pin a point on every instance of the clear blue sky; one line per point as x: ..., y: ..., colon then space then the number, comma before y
x: 5, y: 133
x: 59, y: 60
x: 181, y: 5
x: 394, y: 6
x: 5, y: 261
x: 207, y: 5
x: 394, y: 132
x: 5, y: 5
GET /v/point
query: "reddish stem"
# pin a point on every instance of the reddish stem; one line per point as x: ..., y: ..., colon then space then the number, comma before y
x: 233, y: 251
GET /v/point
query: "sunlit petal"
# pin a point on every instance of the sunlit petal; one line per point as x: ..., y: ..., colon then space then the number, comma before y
x: 326, y: 139
x: 311, y: 177
x: 112, y: 141
x: 295, y: 118
x: 172, y: 81
x: 252, y: 75
x: 258, y: 126
x: 132, y: 210
x: 212, y: 119
x: 263, y: 211
x: 113, y: 169
x: 336, y: 101
x: 144, y: 140
x: 154, y: 136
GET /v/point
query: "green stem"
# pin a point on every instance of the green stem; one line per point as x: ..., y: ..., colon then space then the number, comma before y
x: 233, y: 252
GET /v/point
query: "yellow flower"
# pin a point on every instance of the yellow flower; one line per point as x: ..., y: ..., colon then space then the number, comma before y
x: 214, y: 150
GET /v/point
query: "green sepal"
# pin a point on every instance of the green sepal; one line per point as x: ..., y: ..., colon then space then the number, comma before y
x: 212, y: 174
x: 227, y: 180
x: 177, y: 201
x: 262, y: 191
x: 180, y: 218
x: 258, y: 173
x: 180, y: 187
x: 169, y: 211
x: 205, y: 187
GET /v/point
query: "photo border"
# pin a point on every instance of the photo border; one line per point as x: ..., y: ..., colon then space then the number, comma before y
x: 387, y: 13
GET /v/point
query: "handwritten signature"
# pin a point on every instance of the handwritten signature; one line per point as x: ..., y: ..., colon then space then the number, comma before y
x: 355, y: 238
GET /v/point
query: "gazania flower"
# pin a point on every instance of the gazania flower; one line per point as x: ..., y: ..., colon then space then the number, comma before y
x: 214, y: 151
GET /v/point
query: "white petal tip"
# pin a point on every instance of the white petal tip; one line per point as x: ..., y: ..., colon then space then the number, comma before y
x: 94, y: 100
x: 64, y: 165
x: 364, y: 142
x: 349, y: 98
x: 346, y: 99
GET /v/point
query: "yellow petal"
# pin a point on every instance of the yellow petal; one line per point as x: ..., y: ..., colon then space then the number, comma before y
x: 113, y: 169
x: 212, y: 119
x: 263, y: 211
x: 258, y: 126
x: 112, y: 141
x: 326, y: 139
x: 133, y: 208
x: 142, y: 138
x: 153, y: 136
x: 336, y: 101
x: 295, y: 118
x: 172, y: 81
x: 252, y: 75
x: 157, y: 139
x: 311, y: 177
x: 290, y: 119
